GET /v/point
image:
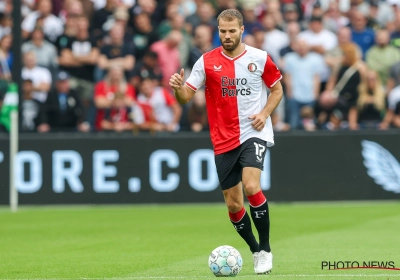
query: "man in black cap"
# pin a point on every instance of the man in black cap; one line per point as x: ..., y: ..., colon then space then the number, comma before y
x: 64, y: 108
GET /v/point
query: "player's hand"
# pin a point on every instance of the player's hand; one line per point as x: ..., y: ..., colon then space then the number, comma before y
x: 259, y: 121
x: 176, y: 80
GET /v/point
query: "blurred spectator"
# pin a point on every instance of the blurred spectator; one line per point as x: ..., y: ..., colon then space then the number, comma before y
x: 147, y: 67
x: 40, y: 76
x: 371, y: 103
x: 293, y: 30
x: 168, y: 55
x: 395, y: 31
x: 274, y: 39
x: 64, y: 109
x: 205, y: 15
x: 33, y: 111
x: 100, y: 4
x: 117, y: 117
x: 101, y: 16
x: 302, y: 82
x: 120, y: 16
x: 197, y: 112
x: 259, y: 39
x: 394, y: 77
x: 291, y: 14
x: 333, y: 58
x: 116, y: 53
x: 70, y: 30
x: 5, y: 24
x: 143, y: 33
x: 250, y: 22
x: 360, y: 33
x: 393, y: 113
x: 70, y: 8
x: 155, y: 9
x: 177, y: 23
x: 185, y: 7
x: 106, y: 90
x: 202, y: 44
x: 165, y: 108
x: 6, y: 60
x: 225, y: 4
x: 27, y: 7
x: 320, y: 41
x: 249, y: 40
x: 333, y: 19
x: 78, y: 59
x: 379, y: 13
x: 274, y: 10
x: 45, y: 52
x: 52, y: 25
x: 171, y: 12
x: 6, y: 7
x: 382, y: 56
x: 341, y: 92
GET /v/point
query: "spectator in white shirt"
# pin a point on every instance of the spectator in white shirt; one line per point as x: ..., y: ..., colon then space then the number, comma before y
x: 320, y: 41
x: 40, y: 77
x: 274, y: 39
x: 52, y: 25
x: 45, y: 52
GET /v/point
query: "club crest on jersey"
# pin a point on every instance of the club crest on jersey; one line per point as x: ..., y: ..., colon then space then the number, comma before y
x: 252, y: 67
x: 217, y: 68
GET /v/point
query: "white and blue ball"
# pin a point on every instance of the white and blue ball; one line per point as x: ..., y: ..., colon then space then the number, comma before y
x: 225, y: 261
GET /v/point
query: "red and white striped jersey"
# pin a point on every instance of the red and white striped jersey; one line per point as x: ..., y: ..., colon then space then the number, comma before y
x: 235, y: 88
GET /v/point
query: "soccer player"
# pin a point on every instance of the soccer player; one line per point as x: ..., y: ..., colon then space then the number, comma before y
x: 236, y: 78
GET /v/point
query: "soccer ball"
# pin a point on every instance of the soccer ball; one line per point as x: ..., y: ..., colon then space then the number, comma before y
x: 225, y: 261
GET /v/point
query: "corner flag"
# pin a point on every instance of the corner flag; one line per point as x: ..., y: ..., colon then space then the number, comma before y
x: 10, y: 104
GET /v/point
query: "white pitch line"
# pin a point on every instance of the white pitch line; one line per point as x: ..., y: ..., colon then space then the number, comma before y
x: 239, y: 276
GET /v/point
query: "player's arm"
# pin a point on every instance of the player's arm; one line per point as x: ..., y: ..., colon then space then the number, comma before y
x: 271, y: 77
x: 182, y: 92
x: 260, y: 119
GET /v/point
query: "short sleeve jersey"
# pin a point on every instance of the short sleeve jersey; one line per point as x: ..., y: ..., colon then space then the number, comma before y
x: 235, y: 88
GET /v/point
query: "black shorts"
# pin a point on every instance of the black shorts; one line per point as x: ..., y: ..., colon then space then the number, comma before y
x: 229, y: 165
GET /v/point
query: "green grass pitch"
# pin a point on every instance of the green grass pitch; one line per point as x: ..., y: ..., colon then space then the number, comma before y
x: 174, y: 241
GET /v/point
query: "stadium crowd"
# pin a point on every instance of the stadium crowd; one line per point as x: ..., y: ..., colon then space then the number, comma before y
x: 104, y: 65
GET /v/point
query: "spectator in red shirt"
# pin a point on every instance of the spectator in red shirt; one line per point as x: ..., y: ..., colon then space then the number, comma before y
x: 168, y: 55
x: 105, y: 91
x: 117, y: 118
x: 158, y: 106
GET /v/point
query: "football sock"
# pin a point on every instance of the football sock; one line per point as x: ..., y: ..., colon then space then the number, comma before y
x: 260, y: 215
x: 241, y: 222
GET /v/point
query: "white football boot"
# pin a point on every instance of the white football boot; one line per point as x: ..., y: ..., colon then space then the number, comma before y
x: 264, y: 263
x: 255, y: 261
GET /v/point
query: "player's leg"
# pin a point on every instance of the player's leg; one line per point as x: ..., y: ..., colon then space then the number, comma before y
x: 258, y: 205
x: 229, y: 174
x: 239, y: 217
x: 252, y: 160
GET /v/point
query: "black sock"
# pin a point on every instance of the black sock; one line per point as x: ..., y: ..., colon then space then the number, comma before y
x: 243, y: 227
x: 260, y: 216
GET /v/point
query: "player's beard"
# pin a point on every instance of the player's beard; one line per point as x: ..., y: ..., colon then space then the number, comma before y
x: 231, y: 47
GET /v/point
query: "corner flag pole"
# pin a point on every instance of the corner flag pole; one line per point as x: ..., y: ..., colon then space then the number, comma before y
x: 15, y: 115
x: 13, y: 154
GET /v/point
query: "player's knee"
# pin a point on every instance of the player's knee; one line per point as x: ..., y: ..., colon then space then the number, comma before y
x: 234, y: 206
x: 252, y: 187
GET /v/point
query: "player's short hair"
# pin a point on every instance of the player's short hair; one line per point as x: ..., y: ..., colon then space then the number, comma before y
x: 231, y: 15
